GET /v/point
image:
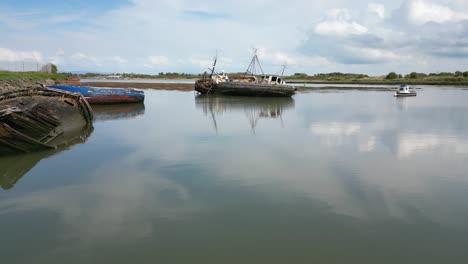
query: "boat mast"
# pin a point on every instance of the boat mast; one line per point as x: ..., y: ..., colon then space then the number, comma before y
x: 214, y: 64
x: 252, y: 69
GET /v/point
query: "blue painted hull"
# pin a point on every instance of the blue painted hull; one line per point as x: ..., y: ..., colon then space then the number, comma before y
x: 98, y: 95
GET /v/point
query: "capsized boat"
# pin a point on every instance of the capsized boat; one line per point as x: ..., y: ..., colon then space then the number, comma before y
x: 105, y: 95
x: 249, y: 84
x: 39, y: 118
x: 404, y: 91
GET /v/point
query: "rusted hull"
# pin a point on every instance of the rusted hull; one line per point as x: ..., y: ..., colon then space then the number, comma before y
x: 39, y: 118
x: 113, y: 100
x: 255, y: 89
x: 205, y: 87
x: 105, y: 95
x: 244, y: 89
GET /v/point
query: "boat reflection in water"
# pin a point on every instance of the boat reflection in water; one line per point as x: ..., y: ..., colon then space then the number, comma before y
x: 118, y: 111
x: 14, y: 167
x: 255, y: 108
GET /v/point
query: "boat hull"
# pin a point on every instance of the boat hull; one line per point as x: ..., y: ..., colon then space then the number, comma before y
x: 39, y: 118
x: 405, y: 94
x: 204, y: 87
x: 244, y: 89
x: 255, y: 89
x: 97, y: 95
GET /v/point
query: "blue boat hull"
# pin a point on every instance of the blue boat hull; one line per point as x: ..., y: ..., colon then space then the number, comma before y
x: 97, y: 95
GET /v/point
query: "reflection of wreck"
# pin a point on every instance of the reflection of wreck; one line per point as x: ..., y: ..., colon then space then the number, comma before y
x: 254, y: 108
x: 13, y: 167
x: 38, y: 118
x: 117, y: 111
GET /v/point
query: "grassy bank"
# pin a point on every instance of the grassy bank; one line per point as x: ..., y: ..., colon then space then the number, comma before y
x: 32, y: 76
x: 383, y: 82
x: 457, y: 78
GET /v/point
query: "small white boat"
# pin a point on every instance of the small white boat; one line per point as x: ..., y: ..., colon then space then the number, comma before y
x: 404, y: 90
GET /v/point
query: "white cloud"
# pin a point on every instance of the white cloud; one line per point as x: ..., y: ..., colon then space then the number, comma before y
x: 421, y: 11
x: 378, y: 9
x: 371, y: 54
x: 119, y: 60
x: 84, y: 61
x: 335, y: 133
x: 158, y: 60
x: 349, y: 30
x: 412, y: 144
x: 339, y: 23
x: 13, y: 55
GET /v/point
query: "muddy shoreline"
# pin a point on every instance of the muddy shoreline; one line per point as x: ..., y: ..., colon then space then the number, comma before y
x: 190, y: 86
x: 11, y: 85
x: 20, y: 84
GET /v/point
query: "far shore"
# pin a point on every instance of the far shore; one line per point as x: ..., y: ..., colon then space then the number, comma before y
x: 15, y: 80
x: 190, y: 87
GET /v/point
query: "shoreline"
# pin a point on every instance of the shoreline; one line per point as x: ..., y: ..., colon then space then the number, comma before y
x: 17, y: 84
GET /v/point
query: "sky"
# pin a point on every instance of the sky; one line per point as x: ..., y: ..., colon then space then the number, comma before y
x: 152, y: 36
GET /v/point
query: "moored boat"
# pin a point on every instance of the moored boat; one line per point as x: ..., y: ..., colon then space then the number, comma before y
x: 105, y: 95
x: 248, y: 84
x: 268, y: 86
x: 404, y: 91
x: 38, y: 118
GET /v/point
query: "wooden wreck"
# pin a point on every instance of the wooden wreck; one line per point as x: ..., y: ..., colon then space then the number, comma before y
x: 39, y: 118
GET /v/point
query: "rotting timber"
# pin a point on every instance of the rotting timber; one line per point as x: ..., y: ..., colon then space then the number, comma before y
x: 39, y: 118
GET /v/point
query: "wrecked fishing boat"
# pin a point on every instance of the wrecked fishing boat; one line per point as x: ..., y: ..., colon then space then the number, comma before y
x: 33, y: 119
x: 105, y: 95
x: 249, y: 84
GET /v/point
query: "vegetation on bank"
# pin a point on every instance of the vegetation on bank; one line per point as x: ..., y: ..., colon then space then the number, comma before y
x: 456, y: 78
x: 451, y: 78
x: 32, y: 76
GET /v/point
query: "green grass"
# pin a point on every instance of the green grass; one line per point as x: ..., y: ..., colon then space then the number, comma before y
x: 421, y: 81
x: 32, y: 76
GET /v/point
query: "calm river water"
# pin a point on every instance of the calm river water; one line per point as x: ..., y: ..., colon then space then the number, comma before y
x: 324, y: 177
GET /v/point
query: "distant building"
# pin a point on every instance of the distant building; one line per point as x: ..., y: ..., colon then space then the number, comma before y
x: 114, y: 76
x: 47, y: 68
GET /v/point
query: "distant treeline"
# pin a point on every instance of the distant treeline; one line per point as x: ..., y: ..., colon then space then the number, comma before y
x: 455, y: 78
x: 161, y: 75
x: 417, y: 75
x: 324, y: 76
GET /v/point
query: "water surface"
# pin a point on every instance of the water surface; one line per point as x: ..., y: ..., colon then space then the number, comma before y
x: 323, y: 177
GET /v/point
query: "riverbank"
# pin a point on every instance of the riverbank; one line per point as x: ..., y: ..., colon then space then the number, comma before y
x: 190, y: 87
x: 10, y: 85
x: 10, y: 81
x: 19, y: 80
x: 458, y: 82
